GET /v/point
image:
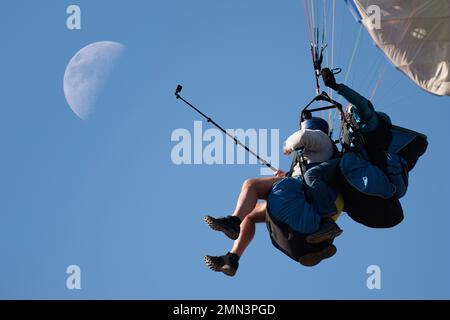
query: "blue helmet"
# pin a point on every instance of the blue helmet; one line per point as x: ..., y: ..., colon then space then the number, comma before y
x: 315, y: 123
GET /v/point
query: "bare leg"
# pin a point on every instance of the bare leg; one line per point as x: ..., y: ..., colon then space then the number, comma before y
x: 248, y: 228
x: 252, y: 190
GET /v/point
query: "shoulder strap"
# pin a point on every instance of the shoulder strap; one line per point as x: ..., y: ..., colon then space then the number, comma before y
x: 293, y: 164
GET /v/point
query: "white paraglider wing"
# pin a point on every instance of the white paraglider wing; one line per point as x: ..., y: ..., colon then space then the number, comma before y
x: 414, y: 35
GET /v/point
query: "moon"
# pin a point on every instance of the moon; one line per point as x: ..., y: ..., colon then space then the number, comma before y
x: 87, y: 73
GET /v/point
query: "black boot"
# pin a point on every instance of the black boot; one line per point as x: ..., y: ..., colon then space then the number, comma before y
x: 229, y: 225
x: 228, y: 264
x: 328, y: 231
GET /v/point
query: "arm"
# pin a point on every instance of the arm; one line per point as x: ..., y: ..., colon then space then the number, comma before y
x: 308, y: 139
x: 364, y: 107
x: 293, y: 142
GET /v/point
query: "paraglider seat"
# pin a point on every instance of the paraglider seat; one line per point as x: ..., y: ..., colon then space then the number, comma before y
x: 293, y: 243
x: 286, y: 200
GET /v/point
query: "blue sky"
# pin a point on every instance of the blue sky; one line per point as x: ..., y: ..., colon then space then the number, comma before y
x: 104, y: 193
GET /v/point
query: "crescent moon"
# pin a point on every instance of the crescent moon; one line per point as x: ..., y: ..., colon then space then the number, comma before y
x: 87, y: 73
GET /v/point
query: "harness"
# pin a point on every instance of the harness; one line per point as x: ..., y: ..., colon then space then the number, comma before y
x: 373, y: 145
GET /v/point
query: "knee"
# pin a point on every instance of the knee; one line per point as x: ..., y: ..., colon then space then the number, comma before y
x: 249, y: 221
x: 248, y: 184
x: 257, y: 216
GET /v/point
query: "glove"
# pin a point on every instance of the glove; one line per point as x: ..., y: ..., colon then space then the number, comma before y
x: 328, y: 78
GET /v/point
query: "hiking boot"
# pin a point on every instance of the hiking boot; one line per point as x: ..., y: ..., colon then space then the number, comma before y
x: 314, y: 258
x: 229, y: 225
x: 228, y: 264
x: 328, y: 231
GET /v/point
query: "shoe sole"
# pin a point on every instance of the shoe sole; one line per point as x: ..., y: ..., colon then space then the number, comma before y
x: 214, y: 267
x: 315, y: 239
x: 313, y: 259
x: 217, y: 227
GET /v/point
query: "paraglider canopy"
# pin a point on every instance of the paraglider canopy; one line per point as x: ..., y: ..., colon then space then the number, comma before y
x: 414, y: 35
